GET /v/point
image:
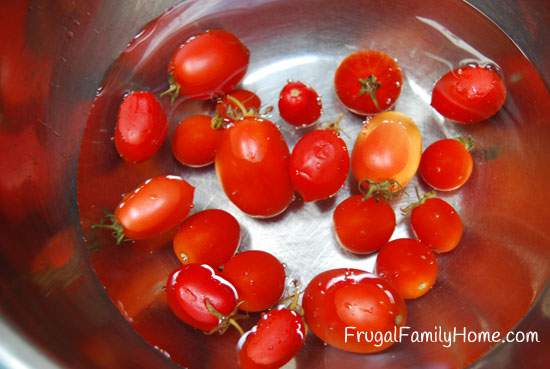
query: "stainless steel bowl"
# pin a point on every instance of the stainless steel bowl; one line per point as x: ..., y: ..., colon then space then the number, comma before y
x: 53, y: 57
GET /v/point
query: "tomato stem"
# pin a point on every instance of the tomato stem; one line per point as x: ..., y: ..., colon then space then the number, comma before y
x: 113, y: 225
x: 369, y: 86
x: 240, y: 105
x: 385, y: 190
x: 217, y: 122
x: 224, y: 322
x: 335, y: 125
x: 173, y: 89
x: 467, y: 141
x: 421, y: 199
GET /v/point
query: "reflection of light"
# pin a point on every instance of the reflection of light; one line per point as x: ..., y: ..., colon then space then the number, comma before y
x: 419, y: 91
x: 279, y: 66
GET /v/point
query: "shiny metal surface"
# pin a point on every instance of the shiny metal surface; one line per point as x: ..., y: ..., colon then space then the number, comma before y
x: 490, y: 281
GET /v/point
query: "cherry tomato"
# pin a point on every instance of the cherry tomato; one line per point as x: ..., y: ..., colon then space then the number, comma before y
x: 156, y: 206
x: 469, y: 94
x: 141, y: 127
x: 368, y: 82
x: 277, y: 338
x: 437, y: 224
x: 259, y: 278
x: 196, y: 141
x: 319, y: 165
x: 299, y: 104
x: 207, y: 65
x: 252, y: 164
x: 200, y: 298
x: 229, y: 111
x: 363, y: 225
x: 341, y: 298
x: 387, y: 148
x: 446, y: 165
x: 408, y: 265
x: 209, y: 237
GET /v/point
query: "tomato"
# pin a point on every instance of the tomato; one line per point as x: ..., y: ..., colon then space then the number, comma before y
x: 363, y: 225
x: 228, y: 110
x: 207, y: 65
x: 387, y: 148
x: 368, y: 82
x: 319, y: 164
x: 436, y: 224
x: 340, y: 298
x: 200, y: 297
x: 277, y: 338
x: 259, y: 278
x: 196, y: 141
x: 141, y: 127
x: 469, y: 94
x: 252, y: 164
x: 299, y: 104
x: 156, y: 206
x: 56, y: 252
x: 408, y: 265
x: 209, y: 237
x: 446, y: 165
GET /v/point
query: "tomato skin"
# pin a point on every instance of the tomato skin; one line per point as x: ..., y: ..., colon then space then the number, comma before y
x: 408, y: 265
x: 188, y: 289
x: 195, y: 141
x: 230, y: 112
x: 209, y: 64
x: 273, y: 342
x: 156, y: 206
x: 446, y: 165
x: 210, y: 237
x: 141, y: 127
x: 437, y: 225
x: 319, y: 165
x: 252, y: 166
x: 363, y: 226
x: 469, y: 94
x: 361, y: 65
x: 259, y: 278
x: 340, y: 298
x: 387, y: 148
x: 299, y: 104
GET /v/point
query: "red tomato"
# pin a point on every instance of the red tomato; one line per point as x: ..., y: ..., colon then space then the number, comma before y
x: 409, y: 266
x: 252, y: 165
x: 56, y: 252
x: 209, y: 237
x: 319, y: 164
x: 299, y: 104
x: 196, y: 141
x: 469, y: 94
x: 258, y: 277
x: 230, y: 111
x: 156, y: 206
x: 277, y: 338
x: 140, y: 128
x: 208, y: 65
x: 446, y: 165
x: 341, y: 298
x: 387, y: 148
x: 363, y: 225
x: 437, y: 224
x: 368, y: 82
x: 200, y: 298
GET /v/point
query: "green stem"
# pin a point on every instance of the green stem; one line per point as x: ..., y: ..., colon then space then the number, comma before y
x: 113, y: 225
x: 369, y: 86
x: 386, y: 190
x: 421, y: 200
x: 467, y: 141
x: 239, y: 104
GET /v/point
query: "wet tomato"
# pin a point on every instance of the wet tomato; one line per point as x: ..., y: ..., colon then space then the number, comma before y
x: 299, y: 104
x: 196, y: 141
x: 469, y: 94
x: 368, y: 82
x: 201, y: 298
x: 355, y: 299
x: 319, y: 164
x: 156, y: 206
x: 230, y: 107
x: 408, y: 265
x: 259, y: 278
x: 141, y: 127
x: 277, y: 338
x: 208, y: 237
x: 252, y: 164
x: 363, y: 225
x: 446, y: 164
x: 387, y: 148
x: 207, y: 65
